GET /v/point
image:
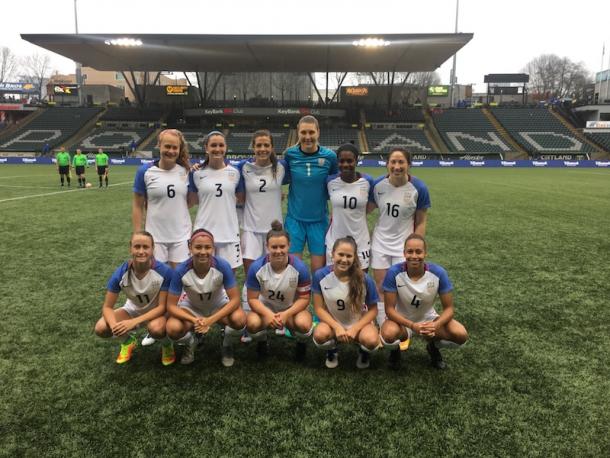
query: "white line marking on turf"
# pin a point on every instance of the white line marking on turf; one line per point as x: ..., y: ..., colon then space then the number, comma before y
x: 58, y: 192
x: 17, y: 176
x: 29, y: 187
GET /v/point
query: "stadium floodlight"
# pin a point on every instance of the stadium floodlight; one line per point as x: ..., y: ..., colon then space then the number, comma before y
x: 371, y: 42
x: 126, y: 42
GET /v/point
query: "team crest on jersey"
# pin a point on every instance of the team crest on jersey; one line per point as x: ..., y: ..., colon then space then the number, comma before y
x: 292, y: 282
x: 408, y: 197
x: 321, y: 161
x: 430, y: 285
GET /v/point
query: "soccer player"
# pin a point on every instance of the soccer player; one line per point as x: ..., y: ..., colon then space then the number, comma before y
x: 145, y: 282
x: 410, y: 289
x: 351, y: 197
x: 214, y: 188
x: 308, y: 164
x: 403, y: 201
x: 345, y: 299
x: 63, y: 165
x: 79, y: 162
x: 210, y: 297
x: 278, y: 293
x: 102, y: 164
x: 160, y: 198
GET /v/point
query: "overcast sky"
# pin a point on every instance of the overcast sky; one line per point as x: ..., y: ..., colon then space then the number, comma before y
x: 507, y: 34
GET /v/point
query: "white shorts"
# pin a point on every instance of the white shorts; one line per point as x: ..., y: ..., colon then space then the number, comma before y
x: 384, y: 261
x: 230, y: 252
x: 176, y: 252
x: 184, y: 303
x: 430, y: 316
x: 363, y: 256
x: 134, y: 311
x: 253, y: 244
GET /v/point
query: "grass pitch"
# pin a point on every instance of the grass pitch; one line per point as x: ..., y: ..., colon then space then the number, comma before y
x: 527, y: 251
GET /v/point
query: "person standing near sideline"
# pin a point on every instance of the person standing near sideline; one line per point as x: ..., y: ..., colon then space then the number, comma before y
x: 63, y: 165
x: 308, y: 166
x: 102, y: 164
x: 79, y: 162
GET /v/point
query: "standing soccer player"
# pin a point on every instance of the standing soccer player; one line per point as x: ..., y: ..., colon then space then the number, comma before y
x: 79, y: 162
x: 308, y: 165
x: 102, y: 164
x: 63, y: 165
x: 410, y: 289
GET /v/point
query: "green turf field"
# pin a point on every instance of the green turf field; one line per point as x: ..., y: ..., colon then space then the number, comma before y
x: 528, y: 251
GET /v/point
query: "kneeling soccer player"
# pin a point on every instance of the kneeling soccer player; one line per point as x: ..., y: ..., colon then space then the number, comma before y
x: 278, y: 293
x: 345, y: 299
x: 410, y: 289
x: 210, y: 297
x: 145, y: 282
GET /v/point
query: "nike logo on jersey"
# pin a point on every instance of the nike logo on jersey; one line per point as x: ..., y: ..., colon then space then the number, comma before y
x: 380, y: 193
x: 327, y: 287
x: 400, y: 286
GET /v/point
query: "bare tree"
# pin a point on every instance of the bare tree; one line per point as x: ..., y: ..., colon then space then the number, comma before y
x: 554, y: 76
x: 37, y: 68
x: 8, y: 64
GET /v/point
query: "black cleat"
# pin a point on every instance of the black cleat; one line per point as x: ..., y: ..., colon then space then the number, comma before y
x: 435, y: 356
x: 300, y: 351
x: 262, y: 349
x: 394, y: 360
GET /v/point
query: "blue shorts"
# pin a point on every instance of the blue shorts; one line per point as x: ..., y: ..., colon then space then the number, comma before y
x: 310, y: 232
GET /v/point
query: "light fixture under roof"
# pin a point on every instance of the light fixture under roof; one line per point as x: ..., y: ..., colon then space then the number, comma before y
x: 125, y: 42
x: 371, y: 42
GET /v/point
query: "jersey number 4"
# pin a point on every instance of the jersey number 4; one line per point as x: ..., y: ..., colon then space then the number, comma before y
x: 276, y: 295
x: 416, y: 301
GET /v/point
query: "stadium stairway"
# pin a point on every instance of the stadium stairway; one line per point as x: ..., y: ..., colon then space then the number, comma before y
x: 22, y: 123
x: 433, y: 135
x: 148, y: 143
x: 81, y: 134
x: 364, y: 143
x: 597, y: 154
x: 518, y: 151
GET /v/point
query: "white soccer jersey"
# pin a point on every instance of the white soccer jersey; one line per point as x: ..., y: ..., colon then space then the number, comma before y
x: 167, y: 213
x: 336, y: 295
x: 349, y: 201
x: 142, y: 292
x: 278, y: 291
x: 207, y: 294
x: 216, y: 193
x: 397, y: 207
x: 263, y: 195
x: 415, y: 299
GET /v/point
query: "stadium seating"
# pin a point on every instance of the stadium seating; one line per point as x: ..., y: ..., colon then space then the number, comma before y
x: 113, y: 139
x: 383, y: 140
x: 538, y: 131
x: 601, y: 138
x: 132, y: 114
x: 468, y: 130
x: 404, y: 115
x: 53, y: 127
x: 334, y: 137
x: 238, y: 140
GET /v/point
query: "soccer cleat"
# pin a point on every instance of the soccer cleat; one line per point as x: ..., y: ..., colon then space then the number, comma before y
x: 394, y: 360
x: 332, y: 358
x: 245, y: 337
x: 168, y: 354
x: 435, y: 356
x: 126, y: 351
x: 364, y: 359
x: 280, y: 331
x: 262, y: 349
x: 188, y: 356
x: 148, y: 340
x: 404, y: 344
x: 227, y: 358
x: 299, y: 352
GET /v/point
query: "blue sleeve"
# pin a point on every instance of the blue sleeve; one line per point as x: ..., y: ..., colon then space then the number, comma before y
x: 139, y: 185
x: 423, y: 197
x: 114, y: 284
x: 175, y: 286
x: 375, y: 183
x: 389, y: 282
x: 228, y: 277
x: 303, y: 270
x: 192, y: 186
x: 371, y: 186
x: 241, y: 186
x: 251, y: 280
x: 286, y: 179
x: 371, y: 291
x: 444, y: 284
x: 167, y: 273
x: 317, y: 277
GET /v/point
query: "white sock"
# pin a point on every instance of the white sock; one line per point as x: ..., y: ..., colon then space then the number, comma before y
x: 381, y: 316
x: 363, y: 348
x: 244, y: 299
x: 390, y: 345
x: 328, y: 345
x: 259, y: 336
x: 186, y: 339
x: 446, y: 344
x: 232, y: 336
x: 303, y: 337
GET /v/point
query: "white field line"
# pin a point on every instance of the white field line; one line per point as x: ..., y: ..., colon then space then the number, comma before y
x: 28, y: 187
x: 58, y: 192
x: 18, y: 176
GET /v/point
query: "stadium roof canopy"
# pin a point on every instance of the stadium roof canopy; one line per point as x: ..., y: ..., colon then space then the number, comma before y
x: 255, y: 53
